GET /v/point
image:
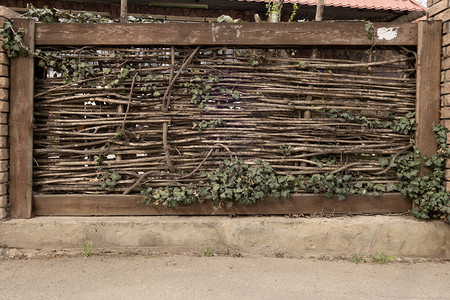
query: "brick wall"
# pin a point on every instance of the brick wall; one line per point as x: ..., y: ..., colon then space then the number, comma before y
x: 5, y: 14
x: 440, y: 10
x: 4, y: 150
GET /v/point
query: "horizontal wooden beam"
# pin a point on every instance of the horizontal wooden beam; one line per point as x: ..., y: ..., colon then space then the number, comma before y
x: 117, y: 205
x: 248, y: 34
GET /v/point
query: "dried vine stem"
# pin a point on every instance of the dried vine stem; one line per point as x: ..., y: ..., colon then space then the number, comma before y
x: 129, y: 101
x: 206, y: 157
x: 166, y: 100
x: 167, y: 148
x: 146, y: 174
x: 138, y: 182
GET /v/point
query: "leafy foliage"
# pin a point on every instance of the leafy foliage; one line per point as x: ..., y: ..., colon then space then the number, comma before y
x: 274, y: 8
x: 208, y: 124
x: 171, y: 196
x: 200, y: 89
x: 107, y: 178
x: 405, y: 125
x: 382, y: 258
x: 234, y: 182
x: 238, y: 182
x: 357, y: 259
x: 428, y: 192
x: 12, y: 41
x: 331, y: 185
x: 87, y: 251
x: 368, y: 27
x: 72, y: 70
x: 54, y: 15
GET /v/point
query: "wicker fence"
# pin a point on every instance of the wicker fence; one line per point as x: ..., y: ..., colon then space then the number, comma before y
x: 157, y: 112
x: 181, y: 118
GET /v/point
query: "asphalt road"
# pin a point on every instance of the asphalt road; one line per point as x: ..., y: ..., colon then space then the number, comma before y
x: 186, y: 277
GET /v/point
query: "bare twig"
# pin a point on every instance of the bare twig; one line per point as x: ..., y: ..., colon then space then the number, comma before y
x: 129, y: 102
x: 166, y: 100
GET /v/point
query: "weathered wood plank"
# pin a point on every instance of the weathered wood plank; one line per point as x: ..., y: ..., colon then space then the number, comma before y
x: 21, y: 127
x: 116, y: 205
x: 428, y: 85
x: 280, y: 34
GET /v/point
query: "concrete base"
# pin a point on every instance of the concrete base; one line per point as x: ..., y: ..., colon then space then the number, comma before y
x: 268, y: 236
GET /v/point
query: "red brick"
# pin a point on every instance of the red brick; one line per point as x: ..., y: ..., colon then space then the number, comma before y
x: 436, y: 9
x: 447, y: 124
x: 3, y: 118
x: 4, y: 130
x: 4, y: 95
x: 4, y: 59
x: 447, y: 174
x: 445, y: 113
x: 445, y: 88
x: 446, y: 39
x: 445, y: 63
x: 445, y: 100
x: 4, y: 82
x: 4, y: 177
x: 4, y: 70
x: 4, y: 106
x: 4, y: 153
x: 4, y: 165
x: 3, y: 189
x: 445, y: 76
x: 3, y: 201
x: 443, y: 15
x: 445, y: 52
x: 3, y: 213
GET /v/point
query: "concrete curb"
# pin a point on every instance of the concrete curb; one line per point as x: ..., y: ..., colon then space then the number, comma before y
x: 267, y: 236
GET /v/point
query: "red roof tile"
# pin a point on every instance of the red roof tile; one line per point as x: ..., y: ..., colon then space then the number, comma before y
x: 399, y: 5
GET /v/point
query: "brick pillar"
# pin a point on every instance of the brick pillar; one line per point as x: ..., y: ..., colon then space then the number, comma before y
x: 4, y: 109
x: 5, y: 14
x: 440, y: 10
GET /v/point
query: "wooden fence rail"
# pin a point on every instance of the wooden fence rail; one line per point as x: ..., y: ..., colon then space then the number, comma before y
x: 246, y: 34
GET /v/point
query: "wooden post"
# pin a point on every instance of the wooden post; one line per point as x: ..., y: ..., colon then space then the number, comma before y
x: 123, y: 11
x: 428, y: 85
x: 319, y: 10
x: 21, y: 127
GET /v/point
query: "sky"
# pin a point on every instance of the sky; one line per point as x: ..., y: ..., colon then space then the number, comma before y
x: 423, y: 2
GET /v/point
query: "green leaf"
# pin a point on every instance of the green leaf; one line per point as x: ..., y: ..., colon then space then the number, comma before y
x: 383, y: 161
x: 390, y: 187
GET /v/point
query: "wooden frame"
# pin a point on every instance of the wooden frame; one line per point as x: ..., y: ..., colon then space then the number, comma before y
x: 425, y: 35
x: 428, y: 93
x: 116, y: 205
x: 245, y: 34
x: 21, y: 127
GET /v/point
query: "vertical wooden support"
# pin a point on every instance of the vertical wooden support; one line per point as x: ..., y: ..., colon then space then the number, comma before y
x: 124, y: 11
x: 319, y: 10
x: 21, y: 127
x: 428, y: 85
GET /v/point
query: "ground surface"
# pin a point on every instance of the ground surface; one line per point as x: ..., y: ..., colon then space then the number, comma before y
x: 187, y: 277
